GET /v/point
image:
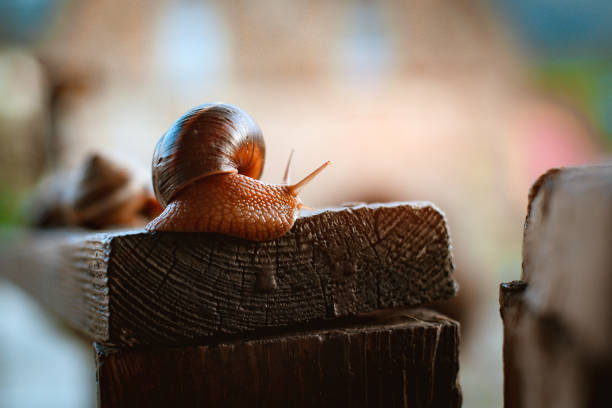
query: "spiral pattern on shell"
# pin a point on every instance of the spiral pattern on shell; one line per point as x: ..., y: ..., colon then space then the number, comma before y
x: 210, y: 139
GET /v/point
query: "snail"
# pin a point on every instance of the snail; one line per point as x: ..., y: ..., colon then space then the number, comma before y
x: 109, y: 195
x: 101, y: 193
x: 205, y: 173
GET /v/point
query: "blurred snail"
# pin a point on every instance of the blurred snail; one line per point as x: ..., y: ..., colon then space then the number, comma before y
x: 205, y: 172
x: 100, y: 194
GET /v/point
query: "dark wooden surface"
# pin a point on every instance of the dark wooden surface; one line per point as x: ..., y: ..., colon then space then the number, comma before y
x: 511, y: 310
x: 558, y: 320
x: 403, y: 359
x: 133, y: 287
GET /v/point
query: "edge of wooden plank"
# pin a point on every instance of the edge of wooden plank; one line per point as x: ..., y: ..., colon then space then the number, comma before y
x: 62, y: 264
x: 64, y: 272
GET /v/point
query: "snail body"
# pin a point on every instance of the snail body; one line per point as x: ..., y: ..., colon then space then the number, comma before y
x: 205, y: 172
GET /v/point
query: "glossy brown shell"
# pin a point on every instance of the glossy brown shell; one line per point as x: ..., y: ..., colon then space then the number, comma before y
x: 210, y: 139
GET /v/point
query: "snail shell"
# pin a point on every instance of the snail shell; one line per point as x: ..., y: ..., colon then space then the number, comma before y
x: 210, y: 139
x: 100, y: 194
x: 205, y: 171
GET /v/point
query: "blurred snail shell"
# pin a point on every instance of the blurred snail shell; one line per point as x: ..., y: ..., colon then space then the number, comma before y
x: 100, y: 194
x: 108, y: 194
x: 205, y: 172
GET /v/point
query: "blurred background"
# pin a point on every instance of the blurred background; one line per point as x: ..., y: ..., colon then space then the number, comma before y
x: 459, y: 102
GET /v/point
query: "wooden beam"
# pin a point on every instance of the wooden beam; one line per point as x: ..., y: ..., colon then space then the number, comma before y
x: 134, y: 287
x: 399, y: 359
x: 558, y: 321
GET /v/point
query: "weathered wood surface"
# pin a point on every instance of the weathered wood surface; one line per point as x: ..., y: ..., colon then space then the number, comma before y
x: 559, y: 325
x: 406, y: 359
x: 129, y: 288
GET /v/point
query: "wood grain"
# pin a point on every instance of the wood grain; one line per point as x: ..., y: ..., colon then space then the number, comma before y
x: 403, y: 359
x: 135, y: 287
x: 559, y: 324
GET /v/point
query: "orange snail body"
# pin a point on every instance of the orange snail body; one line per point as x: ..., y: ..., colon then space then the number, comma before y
x: 205, y: 171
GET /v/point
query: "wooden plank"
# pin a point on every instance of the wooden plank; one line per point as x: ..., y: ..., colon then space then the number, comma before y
x: 134, y: 287
x: 402, y: 359
x: 511, y: 310
x: 561, y: 325
x: 567, y: 255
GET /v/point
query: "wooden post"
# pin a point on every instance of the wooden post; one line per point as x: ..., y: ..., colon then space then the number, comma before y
x: 200, y: 319
x: 391, y: 359
x: 558, y: 320
x: 511, y: 310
